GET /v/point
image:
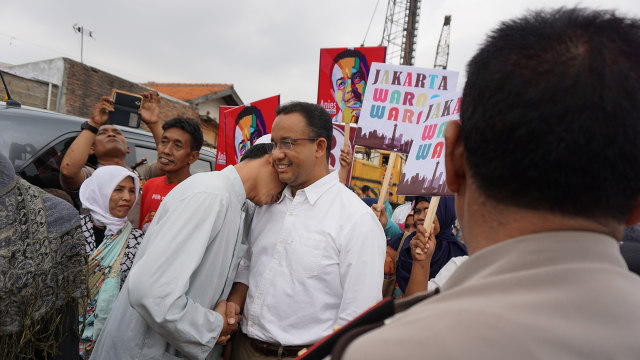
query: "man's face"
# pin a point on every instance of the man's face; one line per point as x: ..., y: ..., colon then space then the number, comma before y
x: 247, y: 132
x: 110, y: 142
x: 295, y: 166
x: 174, y: 151
x: 420, y: 214
x: 349, y: 82
x: 270, y: 186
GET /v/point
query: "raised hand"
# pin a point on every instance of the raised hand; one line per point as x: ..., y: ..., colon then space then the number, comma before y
x: 150, y: 108
x: 423, y: 244
x: 100, y: 113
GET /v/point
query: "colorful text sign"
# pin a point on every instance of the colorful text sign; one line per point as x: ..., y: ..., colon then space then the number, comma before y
x: 424, y: 172
x: 396, y: 105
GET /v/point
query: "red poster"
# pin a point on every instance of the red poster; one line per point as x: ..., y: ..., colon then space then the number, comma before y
x: 343, y: 79
x: 221, y: 154
x: 337, y: 143
x: 245, y: 124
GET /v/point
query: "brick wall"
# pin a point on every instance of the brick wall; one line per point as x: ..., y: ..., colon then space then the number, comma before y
x: 84, y: 86
x: 29, y: 92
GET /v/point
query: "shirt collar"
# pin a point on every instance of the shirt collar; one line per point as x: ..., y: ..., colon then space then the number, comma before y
x: 315, y: 190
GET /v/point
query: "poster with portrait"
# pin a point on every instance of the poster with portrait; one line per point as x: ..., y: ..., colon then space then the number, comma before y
x: 221, y: 154
x: 245, y: 124
x: 343, y: 80
x: 337, y: 143
x: 396, y: 105
x: 424, y: 171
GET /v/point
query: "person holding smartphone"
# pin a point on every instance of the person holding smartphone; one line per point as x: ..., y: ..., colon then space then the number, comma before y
x: 107, y: 143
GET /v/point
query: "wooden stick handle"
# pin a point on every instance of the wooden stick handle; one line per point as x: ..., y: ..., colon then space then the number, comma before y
x: 347, y: 143
x: 431, y: 214
x: 385, y: 183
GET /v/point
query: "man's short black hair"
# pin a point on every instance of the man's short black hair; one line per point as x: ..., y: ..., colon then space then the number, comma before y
x: 191, y: 127
x: 318, y: 119
x: 550, y: 113
x: 257, y: 151
x: 353, y: 53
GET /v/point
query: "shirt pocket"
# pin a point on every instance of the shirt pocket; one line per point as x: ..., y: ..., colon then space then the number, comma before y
x: 307, y: 253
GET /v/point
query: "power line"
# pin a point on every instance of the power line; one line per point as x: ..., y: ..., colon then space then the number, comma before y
x: 370, y: 21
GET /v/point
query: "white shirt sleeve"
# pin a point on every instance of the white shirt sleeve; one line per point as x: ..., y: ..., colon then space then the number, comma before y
x: 361, y: 266
x: 242, y: 275
x: 445, y: 273
x: 159, y: 280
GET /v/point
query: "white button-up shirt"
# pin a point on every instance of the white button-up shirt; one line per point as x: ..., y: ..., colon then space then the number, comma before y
x: 315, y: 261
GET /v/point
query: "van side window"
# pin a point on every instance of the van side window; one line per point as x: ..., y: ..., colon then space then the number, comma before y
x: 44, y: 171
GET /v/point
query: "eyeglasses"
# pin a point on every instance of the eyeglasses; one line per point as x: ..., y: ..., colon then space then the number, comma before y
x: 287, y: 145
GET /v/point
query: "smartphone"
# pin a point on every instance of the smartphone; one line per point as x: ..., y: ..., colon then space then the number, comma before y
x: 126, y: 109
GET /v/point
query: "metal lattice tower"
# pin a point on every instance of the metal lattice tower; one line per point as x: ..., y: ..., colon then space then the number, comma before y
x: 442, y: 52
x: 401, y: 30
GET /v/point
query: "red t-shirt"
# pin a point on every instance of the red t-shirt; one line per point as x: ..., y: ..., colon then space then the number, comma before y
x: 153, y: 192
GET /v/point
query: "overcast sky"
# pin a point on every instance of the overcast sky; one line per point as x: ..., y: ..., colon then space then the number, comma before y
x: 263, y: 48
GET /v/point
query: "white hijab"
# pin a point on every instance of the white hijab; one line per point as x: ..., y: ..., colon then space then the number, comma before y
x: 96, y: 191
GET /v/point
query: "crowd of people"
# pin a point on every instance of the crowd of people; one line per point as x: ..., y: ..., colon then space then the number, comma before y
x: 265, y: 258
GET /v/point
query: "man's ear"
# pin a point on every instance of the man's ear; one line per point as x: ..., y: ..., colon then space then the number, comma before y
x: 128, y: 149
x: 321, y: 144
x: 634, y: 216
x: 92, y: 150
x: 454, y: 156
x: 194, y: 156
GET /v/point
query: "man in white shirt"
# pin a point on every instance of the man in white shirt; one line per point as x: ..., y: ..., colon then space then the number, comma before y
x: 172, y: 303
x: 315, y: 258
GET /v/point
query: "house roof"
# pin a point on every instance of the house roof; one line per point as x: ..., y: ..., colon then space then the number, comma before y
x: 190, y: 92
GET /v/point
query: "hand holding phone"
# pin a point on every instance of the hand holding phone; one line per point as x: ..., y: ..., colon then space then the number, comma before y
x: 126, y: 109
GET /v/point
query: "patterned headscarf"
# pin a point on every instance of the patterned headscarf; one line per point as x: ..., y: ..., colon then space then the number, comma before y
x: 96, y: 191
x: 42, y: 266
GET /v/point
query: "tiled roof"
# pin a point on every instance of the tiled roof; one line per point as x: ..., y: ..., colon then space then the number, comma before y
x: 186, y: 92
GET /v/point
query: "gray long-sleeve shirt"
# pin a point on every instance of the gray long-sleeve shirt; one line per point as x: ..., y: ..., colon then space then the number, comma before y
x: 185, y: 266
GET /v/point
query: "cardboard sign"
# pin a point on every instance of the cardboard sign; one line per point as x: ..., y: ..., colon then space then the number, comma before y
x: 221, y: 153
x: 424, y: 172
x: 337, y: 143
x: 343, y: 80
x: 396, y: 104
x: 245, y: 124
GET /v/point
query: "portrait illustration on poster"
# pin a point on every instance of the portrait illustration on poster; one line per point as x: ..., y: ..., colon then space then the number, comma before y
x: 244, y: 125
x: 424, y: 172
x: 343, y: 79
x: 396, y: 105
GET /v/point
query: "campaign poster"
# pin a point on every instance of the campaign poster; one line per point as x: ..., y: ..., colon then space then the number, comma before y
x: 337, y: 143
x: 396, y: 105
x: 343, y: 80
x: 424, y: 172
x: 247, y: 123
x: 221, y: 154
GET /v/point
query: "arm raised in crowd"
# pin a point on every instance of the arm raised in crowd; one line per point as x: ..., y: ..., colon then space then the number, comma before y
x: 419, y: 277
x: 71, y: 174
x: 149, y: 113
x: 346, y: 159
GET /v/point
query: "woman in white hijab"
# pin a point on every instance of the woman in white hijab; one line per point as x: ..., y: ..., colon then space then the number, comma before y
x: 111, y: 243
